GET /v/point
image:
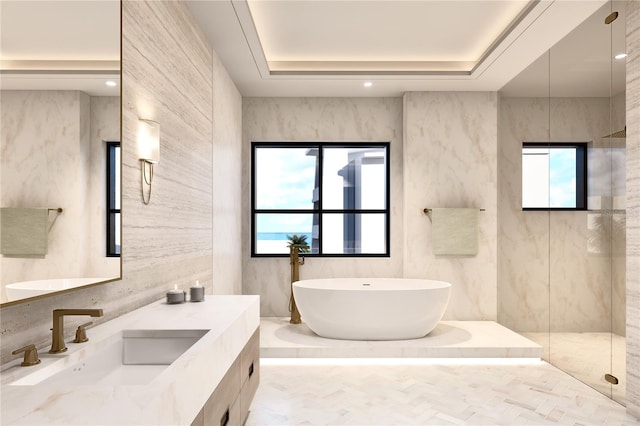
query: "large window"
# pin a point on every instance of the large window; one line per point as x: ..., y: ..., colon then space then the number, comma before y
x: 113, y: 199
x: 335, y: 195
x: 554, y: 176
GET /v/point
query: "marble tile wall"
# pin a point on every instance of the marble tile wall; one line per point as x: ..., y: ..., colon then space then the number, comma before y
x: 319, y: 119
x: 46, y: 154
x: 526, y: 285
x: 227, y: 182
x: 167, y: 73
x: 536, y: 247
x: 419, y: 179
x: 633, y: 207
x: 450, y: 160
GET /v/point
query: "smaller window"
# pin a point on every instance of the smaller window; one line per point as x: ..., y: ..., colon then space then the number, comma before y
x: 113, y: 199
x: 554, y: 176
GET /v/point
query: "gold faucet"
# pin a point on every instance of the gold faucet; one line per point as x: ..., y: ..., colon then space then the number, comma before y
x: 57, y: 341
x: 295, y: 262
x: 30, y: 355
x: 81, y: 333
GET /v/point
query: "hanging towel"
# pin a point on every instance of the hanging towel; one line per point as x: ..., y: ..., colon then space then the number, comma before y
x: 454, y: 232
x: 23, y: 232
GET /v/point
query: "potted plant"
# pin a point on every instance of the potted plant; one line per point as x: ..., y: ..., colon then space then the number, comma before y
x: 298, y: 240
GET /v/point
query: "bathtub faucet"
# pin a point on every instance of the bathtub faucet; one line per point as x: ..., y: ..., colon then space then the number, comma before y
x: 295, y: 261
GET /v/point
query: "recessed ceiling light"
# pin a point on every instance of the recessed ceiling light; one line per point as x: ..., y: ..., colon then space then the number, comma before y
x: 111, y: 83
x: 620, y: 56
x: 368, y: 84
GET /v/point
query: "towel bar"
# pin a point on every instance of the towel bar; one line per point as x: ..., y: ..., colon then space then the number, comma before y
x: 427, y: 211
x: 59, y: 210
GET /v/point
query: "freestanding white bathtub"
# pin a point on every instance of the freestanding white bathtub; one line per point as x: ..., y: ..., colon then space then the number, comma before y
x: 371, y: 308
x: 24, y: 289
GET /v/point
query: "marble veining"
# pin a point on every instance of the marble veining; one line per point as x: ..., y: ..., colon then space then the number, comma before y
x: 450, y: 160
x: 319, y: 119
x: 465, y: 141
x: 535, y: 247
x: 633, y: 207
x: 175, y: 396
x: 587, y: 357
x: 167, y: 75
x: 52, y: 156
x: 438, y: 394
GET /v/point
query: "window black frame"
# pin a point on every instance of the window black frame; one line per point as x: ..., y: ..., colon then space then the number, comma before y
x: 320, y: 211
x: 581, y: 173
x: 111, y: 200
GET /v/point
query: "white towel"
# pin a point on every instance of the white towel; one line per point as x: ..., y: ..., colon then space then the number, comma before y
x: 454, y: 232
x: 23, y: 232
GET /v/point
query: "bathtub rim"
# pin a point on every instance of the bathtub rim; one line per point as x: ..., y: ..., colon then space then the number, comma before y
x: 328, y: 311
x: 34, y: 289
x: 376, y: 284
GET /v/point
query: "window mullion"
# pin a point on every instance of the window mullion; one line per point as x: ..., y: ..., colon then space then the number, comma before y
x: 320, y: 174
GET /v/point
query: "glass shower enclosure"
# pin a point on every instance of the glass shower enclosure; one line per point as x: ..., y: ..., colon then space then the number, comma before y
x: 562, y: 202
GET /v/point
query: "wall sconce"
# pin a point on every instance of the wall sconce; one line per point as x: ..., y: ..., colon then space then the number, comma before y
x: 148, y: 152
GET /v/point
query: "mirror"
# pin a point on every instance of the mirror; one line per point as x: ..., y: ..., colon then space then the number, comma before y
x: 60, y: 117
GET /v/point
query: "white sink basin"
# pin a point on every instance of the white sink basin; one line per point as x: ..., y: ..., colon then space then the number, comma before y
x: 132, y: 357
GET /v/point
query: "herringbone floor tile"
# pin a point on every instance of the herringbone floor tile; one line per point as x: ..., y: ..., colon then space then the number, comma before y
x: 587, y: 357
x: 399, y: 394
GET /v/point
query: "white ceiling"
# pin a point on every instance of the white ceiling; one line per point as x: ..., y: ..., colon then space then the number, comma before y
x: 329, y: 48
x: 63, y: 45
x: 398, y: 31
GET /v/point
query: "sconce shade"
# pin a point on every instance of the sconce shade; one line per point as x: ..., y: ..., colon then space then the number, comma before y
x: 148, y: 141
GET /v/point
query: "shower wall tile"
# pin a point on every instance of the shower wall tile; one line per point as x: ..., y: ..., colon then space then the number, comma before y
x: 450, y: 160
x: 319, y: 119
x: 618, y: 236
x: 633, y: 208
x: 618, y: 112
x: 536, y: 247
x: 523, y: 291
x: 167, y: 73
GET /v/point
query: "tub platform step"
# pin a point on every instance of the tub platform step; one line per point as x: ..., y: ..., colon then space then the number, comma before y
x: 450, y: 339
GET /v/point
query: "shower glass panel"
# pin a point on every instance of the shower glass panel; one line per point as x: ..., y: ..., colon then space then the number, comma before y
x: 583, y: 270
x: 617, y: 146
x: 561, y: 271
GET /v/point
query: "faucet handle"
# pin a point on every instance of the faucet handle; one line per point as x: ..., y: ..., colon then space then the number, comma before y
x: 81, y: 334
x: 30, y: 355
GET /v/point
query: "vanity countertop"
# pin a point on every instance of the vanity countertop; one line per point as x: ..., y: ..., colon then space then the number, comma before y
x: 174, y: 397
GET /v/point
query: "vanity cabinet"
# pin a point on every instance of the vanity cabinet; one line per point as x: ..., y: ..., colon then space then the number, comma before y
x: 229, y: 403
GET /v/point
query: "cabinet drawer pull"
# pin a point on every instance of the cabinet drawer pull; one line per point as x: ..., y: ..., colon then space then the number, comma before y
x: 224, y: 420
x: 251, y: 370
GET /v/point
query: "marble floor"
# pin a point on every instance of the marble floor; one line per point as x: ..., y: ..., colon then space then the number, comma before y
x: 587, y: 356
x: 332, y: 392
x: 454, y: 378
